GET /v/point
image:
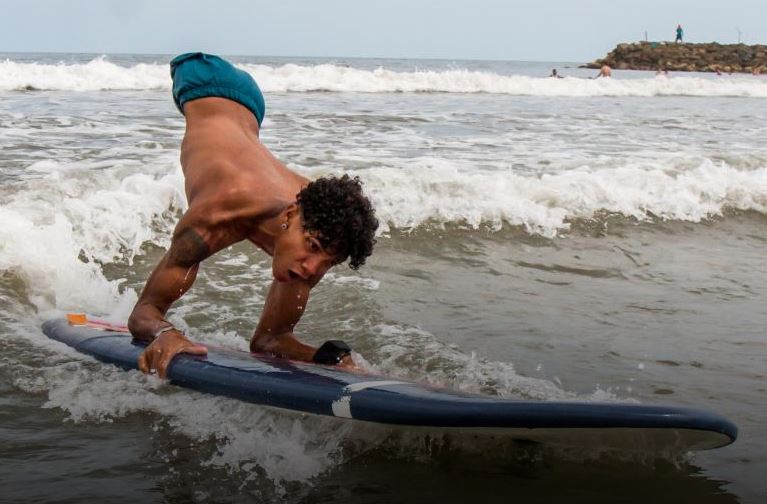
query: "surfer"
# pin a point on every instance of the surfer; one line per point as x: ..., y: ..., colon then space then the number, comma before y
x: 238, y: 191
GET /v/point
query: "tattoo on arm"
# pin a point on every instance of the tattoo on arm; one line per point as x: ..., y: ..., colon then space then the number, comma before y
x: 188, y: 248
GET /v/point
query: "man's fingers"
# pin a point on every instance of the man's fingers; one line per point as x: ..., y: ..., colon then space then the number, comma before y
x: 163, y: 363
x: 195, y: 350
x: 159, y: 354
x: 167, y: 356
x: 142, y: 365
x: 348, y: 364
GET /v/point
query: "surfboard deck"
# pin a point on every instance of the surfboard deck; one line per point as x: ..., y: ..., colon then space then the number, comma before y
x: 331, y: 391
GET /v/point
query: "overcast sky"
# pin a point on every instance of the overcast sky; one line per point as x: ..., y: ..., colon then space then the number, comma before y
x: 534, y: 30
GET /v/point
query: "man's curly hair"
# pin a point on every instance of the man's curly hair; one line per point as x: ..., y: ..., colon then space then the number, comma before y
x: 341, y: 216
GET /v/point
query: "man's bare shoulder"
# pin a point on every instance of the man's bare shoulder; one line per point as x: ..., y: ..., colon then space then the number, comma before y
x: 231, y: 205
x: 203, y: 231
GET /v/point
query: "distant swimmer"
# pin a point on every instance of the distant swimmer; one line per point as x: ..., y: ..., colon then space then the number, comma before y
x: 237, y: 190
x: 679, y: 34
x: 605, y: 71
x: 554, y: 74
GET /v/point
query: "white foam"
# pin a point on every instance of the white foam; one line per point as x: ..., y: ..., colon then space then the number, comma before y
x: 357, y: 280
x: 96, y: 75
x: 409, y: 351
x: 55, y: 233
x: 285, y: 446
x: 440, y: 191
x: 297, y: 78
x: 101, y: 74
x: 289, y: 447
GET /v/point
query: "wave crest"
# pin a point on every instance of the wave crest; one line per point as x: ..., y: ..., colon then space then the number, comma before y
x: 440, y: 193
x: 101, y: 74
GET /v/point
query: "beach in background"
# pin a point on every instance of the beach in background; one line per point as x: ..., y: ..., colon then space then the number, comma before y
x: 577, y: 238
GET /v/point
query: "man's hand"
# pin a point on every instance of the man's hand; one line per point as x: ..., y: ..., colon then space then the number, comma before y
x: 157, y: 356
x: 348, y: 364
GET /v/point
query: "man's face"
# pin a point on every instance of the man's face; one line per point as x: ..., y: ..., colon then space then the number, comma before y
x: 298, y: 254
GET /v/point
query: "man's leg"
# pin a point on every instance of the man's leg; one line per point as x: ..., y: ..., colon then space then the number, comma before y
x: 200, y: 75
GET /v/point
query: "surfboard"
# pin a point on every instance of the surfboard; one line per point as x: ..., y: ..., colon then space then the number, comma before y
x: 331, y: 391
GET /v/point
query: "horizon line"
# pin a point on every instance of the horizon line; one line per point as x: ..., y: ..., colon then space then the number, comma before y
x: 241, y: 55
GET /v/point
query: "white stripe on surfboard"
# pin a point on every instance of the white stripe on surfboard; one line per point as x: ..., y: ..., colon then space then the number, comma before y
x: 343, y: 406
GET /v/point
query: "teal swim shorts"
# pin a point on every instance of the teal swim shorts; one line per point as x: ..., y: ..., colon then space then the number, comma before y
x: 199, y: 75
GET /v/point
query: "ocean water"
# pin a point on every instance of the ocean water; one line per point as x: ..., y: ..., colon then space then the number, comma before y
x: 576, y: 238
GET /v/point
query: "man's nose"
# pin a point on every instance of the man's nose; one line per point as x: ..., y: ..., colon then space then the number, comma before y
x: 310, y: 266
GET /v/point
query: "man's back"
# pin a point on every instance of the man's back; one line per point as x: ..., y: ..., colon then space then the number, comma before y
x: 226, y: 167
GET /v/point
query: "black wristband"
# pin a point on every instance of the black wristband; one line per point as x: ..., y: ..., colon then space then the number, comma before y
x: 331, y: 352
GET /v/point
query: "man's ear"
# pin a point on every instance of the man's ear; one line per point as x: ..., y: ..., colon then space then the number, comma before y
x: 292, y: 212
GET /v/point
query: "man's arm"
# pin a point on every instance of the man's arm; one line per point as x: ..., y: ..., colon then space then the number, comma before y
x: 284, y: 305
x: 168, y: 282
x: 283, y: 308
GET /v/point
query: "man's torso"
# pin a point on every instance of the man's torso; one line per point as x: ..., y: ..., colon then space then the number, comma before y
x: 232, y: 181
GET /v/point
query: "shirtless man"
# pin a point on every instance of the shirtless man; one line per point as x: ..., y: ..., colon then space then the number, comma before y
x: 605, y: 71
x: 237, y: 190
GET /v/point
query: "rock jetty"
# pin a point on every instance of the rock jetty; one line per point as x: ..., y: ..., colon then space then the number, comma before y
x: 709, y: 57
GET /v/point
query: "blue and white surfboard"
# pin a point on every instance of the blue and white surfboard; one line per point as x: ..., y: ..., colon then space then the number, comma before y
x: 330, y: 391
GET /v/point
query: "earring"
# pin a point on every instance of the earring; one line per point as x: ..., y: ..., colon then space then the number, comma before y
x: 284, y: 226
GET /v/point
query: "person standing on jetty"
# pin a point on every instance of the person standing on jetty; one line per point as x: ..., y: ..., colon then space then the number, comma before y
x: 679, y: 34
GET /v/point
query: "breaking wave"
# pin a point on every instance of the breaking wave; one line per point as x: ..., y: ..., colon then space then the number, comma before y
x: 439, y: 192
x: 101, y: 74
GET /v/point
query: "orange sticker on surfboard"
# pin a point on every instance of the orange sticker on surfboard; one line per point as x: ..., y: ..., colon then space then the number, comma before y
x: 82, y: 319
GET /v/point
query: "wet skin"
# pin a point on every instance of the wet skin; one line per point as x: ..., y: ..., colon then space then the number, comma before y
x: 236, y: 190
